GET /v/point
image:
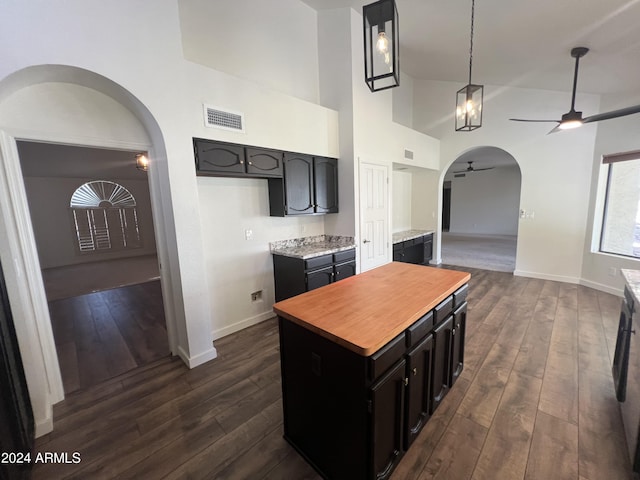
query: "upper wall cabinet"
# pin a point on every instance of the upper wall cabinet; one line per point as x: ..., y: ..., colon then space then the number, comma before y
x: 310, y: 186
x: 231, y: 160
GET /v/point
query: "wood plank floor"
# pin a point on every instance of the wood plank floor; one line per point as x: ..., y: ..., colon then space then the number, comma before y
x: 535, y: 401
x: 105, y: 334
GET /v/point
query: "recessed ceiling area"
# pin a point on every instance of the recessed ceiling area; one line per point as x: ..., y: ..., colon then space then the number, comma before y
x: 523, y: 44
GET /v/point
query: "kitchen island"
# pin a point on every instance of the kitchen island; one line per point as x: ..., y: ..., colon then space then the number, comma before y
x: 366, y: 361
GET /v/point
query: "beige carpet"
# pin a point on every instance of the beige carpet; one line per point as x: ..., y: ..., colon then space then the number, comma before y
x: 489, y: 252
x: 74, y: 280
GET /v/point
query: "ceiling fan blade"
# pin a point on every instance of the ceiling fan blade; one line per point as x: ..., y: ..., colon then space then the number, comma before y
x: 554, y: 129
x: 613, y: 114
x: 480, y: 169
x: 524, y: 120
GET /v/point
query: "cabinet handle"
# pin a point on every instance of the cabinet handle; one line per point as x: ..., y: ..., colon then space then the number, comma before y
x: 415, y: 371
x: 453, y: 332
x: 406, y: 381
x: 241, y: 162
x: 250, y: 163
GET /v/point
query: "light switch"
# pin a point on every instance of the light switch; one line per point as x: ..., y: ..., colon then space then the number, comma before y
x: 248, y: 234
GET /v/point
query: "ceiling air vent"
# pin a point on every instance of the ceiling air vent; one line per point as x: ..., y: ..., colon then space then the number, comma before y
x: 408, y: 154
x: 217, y: 118
x: 459, y: 175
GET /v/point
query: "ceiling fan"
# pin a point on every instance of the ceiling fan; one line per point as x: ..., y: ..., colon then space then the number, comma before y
x: 573, y: 119
x: 471, y: 169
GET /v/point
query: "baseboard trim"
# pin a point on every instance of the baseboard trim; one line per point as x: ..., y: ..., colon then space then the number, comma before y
x: 242, y: 324
x: 45, y: 425
x: 602, y: 287
x: 199, y: 359
x: 547, y: 276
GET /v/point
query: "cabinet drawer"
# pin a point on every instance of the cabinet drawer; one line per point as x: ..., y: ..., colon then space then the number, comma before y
x: 442, y: 310
x: 419, y: 329
x: 388, y: 355
x: 417, y: 241
x: 344, y: 256
x: 317, y: 262
x: 460, y: 295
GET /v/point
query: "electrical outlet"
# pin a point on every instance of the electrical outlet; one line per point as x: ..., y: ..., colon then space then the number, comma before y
x: 256, y: 296
x: 248, y: 234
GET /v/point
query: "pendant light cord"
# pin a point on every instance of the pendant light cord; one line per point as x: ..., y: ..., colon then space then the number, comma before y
x: 473, y: 4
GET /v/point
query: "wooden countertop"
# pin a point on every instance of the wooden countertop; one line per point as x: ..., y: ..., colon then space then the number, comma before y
x: 366, y: 311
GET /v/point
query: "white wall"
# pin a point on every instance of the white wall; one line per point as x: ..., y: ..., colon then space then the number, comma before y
x: 401, y: 201
x: 274, y: 43
x: 601, y: 270
x: 485, y: 202
x: 403, y: 101
x: 556, y: 169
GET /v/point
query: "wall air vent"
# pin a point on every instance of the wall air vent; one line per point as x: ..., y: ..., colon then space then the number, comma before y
x: 408, y: 154
x: 459, y: 175
x: 215, y: 117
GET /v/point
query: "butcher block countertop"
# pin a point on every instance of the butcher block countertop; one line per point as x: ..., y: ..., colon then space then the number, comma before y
x: 366, y: 311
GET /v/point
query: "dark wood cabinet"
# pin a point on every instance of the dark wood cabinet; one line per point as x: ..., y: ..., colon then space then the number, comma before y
x: 416, y: 250
x: 441, y: 361
x: 293, y: 275
x: 233, y: 160
x: 418, y: 398
x: 309, y: 186
x: 386, y: 421
x: 353, y: 417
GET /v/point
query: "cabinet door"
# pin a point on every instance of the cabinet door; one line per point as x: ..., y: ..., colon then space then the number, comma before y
x: 387, y: 411
x: 457, y: 343
x: 428, y: 248
x: 419, y: 366
x: 398, y: 252
x: 344, y: 270
x: 326, y: 184
x: 298, y: 184
x: 264, y: 163
x: 319, y: 278
x: 221, y: 158
x: 441, y: 361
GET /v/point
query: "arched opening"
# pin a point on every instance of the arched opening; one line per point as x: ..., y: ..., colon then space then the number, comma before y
x: 481, y: 210
x: 70, y: 106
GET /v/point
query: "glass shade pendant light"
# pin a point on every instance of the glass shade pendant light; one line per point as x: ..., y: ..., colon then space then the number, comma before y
x: 381, y: 46
x: 469, y: 98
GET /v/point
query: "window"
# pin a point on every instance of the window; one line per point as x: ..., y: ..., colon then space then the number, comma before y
x: 104, y: 217
x: 621, y: 221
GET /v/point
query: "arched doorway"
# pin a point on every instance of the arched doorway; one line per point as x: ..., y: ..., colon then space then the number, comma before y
x: 68, y: 105
x: 481, y: 210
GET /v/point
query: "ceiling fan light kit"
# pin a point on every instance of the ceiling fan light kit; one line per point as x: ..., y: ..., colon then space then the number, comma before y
x: 573, y: 119
x: 469, y: 98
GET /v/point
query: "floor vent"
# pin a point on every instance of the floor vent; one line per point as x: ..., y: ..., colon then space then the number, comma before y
x: 216, y: 118
x: 408, y: 154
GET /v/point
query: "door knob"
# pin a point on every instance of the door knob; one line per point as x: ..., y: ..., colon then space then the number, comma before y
x: 365, y: 241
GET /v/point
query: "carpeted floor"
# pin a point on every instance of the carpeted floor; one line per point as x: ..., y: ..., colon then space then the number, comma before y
x: 488, y: 252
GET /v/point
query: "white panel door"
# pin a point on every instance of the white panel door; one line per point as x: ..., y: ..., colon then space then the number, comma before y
x: 374, y: 215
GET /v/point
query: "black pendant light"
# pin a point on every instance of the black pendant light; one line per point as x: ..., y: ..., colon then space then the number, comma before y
x: 469, y: 98
x: 381, y: 45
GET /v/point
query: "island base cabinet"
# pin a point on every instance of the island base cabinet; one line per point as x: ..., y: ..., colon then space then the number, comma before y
x: 441, y: 361
x: 418, y: 397
x: 457, y: 343
x: 387, y: 414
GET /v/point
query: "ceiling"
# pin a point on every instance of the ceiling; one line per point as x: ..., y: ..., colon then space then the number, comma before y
x: 519, y: 43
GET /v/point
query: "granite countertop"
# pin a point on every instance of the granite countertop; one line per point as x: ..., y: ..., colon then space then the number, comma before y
x: 309, y: 247
x: 632, y: 277
x: 409, y: 234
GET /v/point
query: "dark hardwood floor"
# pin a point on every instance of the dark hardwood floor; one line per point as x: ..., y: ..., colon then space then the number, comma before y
x: 535, y: 401
x: 105, y: 334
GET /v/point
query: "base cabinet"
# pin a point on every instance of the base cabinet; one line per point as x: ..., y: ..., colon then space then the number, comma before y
x: 293, y: 276
x: 417, y: 250
x: 353, y: 417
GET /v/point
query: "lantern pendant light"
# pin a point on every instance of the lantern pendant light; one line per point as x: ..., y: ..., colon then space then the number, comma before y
x: 469, y: 98
x: 381, y: 45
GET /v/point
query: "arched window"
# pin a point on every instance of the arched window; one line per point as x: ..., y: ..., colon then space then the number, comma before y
x: 105, y: 217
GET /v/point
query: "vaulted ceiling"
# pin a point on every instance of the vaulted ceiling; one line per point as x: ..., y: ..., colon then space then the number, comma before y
x: 519, y: 43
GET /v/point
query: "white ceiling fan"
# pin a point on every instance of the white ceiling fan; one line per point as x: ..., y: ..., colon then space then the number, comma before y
x: 470, y: 168
x: 573, y: 119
